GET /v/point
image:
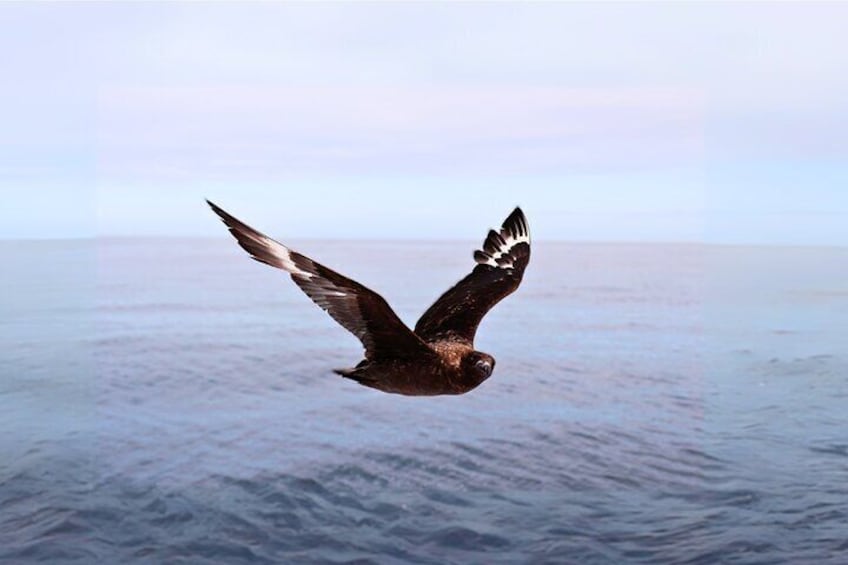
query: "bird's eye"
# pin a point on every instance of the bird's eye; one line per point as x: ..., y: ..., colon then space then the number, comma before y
x: 484, y: 367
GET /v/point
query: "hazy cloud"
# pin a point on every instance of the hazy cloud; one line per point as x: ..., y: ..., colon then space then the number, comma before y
x: 123, y: 100
x: 232, y: 132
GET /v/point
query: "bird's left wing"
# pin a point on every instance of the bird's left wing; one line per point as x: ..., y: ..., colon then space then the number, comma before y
x: 358, y: 309
x: 500, y: 267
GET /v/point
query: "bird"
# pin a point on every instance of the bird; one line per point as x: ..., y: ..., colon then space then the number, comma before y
x: 437, y: 357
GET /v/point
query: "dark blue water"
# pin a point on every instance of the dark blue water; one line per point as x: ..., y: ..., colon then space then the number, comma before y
x: 172, y: 401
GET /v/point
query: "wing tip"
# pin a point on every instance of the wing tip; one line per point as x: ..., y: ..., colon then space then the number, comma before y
x: 212, y: 205
x: 516, y: 223
x: 496, y: 249
x: 221, y: 213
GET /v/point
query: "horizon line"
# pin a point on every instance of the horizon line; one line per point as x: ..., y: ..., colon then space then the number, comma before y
x: 113, y: 237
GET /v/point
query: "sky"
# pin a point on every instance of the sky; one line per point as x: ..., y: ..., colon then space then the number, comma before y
x: 717, y: 122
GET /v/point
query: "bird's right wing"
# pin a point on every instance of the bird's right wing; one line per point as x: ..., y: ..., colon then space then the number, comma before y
x: 499, y: 270
x: 358, y: 309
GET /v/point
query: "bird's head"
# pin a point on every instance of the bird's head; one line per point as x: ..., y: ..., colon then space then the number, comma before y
x: 477, y: 367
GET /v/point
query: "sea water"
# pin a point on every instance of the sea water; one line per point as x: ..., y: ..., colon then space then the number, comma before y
x: 169, y: 400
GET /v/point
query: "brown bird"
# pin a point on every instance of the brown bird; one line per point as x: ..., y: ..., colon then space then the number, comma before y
x: 439, y: 356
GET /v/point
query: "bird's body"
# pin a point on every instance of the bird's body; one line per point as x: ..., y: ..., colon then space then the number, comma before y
x: 439, y: 356
x: 425, y: 375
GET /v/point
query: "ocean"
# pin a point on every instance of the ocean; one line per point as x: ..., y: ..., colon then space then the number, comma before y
x: 171, y: 401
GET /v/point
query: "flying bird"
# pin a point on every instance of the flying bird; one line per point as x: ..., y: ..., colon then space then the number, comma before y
x: 438, y: 357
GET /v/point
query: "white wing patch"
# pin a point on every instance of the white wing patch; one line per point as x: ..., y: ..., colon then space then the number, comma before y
x: 281, y: 253
x: 260, y: 246
x: 497, y: 248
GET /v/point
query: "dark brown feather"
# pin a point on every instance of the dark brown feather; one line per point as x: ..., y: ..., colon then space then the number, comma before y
x: 501, y: 263
x: 357, y: 308
x: 439, y: 360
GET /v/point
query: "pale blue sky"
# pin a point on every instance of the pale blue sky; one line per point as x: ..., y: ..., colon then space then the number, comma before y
x: 721, y: 122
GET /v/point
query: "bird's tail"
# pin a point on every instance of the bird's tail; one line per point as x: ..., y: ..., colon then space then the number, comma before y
x: 359, y: 373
